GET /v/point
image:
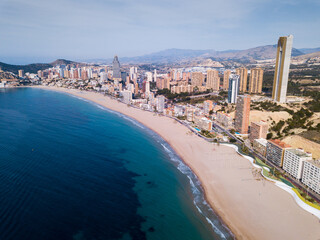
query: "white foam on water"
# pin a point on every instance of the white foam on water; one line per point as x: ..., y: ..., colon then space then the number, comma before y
x: 199, y: 200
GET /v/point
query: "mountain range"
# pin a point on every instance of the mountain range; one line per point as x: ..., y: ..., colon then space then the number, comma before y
x: 174, y: 55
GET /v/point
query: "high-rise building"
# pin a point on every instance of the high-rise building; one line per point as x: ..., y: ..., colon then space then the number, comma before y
x: 160, y: 103
x: 126, y: 96
x: 103, y: 76
x: 197, y: 79
x: 281, y: 73
x: 242, y: 114
x: 255, y: 80
x: 21, y: 73
x: 275, y: 151
x: 213, y: 80
x: 155, y: 75
x: 233, y: 88
x: 258, y: 130
x: 149, y: 76
x: 147, y: 87
x: 136, y: 88
x: 243, y: 73
x: 163, y: 83
x: 293, y: 161
x: 311, y: 174
x: 116, y: 67
x: 226, y: 76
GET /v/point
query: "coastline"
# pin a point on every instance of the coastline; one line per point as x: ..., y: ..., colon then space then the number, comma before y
x: 251, y: 208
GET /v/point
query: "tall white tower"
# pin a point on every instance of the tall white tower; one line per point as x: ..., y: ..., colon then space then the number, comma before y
x: 281, y: 73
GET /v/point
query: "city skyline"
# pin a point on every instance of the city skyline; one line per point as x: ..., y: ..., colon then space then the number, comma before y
x: 37, y: 31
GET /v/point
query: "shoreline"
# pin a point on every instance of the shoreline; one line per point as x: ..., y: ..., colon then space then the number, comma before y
x: 243, y: 203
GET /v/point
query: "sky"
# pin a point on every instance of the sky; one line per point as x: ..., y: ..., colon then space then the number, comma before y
x: 43, y: 30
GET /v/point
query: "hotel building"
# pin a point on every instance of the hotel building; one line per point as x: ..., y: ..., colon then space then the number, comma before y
x: 311, y: 175
x: 242, y: 114
x: 126, y: 96
x: 160, y: 103
x: 275, y: 151
x: 281, y: 74
x: 255, y: 80
x: 293, y: 161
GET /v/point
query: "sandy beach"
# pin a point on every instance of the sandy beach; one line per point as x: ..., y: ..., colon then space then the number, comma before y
x: 253, y: 208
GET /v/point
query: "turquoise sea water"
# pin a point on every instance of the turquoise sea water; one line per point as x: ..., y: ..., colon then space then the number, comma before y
x: 70, y: 169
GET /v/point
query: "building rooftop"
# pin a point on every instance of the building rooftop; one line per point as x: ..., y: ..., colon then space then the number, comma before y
x: 300, y: 153
x: 262, y: 141
x: 315, y: 162
x: 279, y: 143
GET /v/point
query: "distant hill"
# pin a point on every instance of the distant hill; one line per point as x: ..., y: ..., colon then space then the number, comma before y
x: 310, y: 58
x: 309, y: 50
x: 182, y: 55
x: 35, y: 67
x: 309, y: 55
x: 257, y: 53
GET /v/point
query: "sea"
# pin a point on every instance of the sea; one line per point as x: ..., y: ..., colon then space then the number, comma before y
x: 71, y: 169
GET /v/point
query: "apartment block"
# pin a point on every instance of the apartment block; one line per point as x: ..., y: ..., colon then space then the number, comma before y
x: 197, y: 79
x: 243, y: 73
x: 226, y: 76
x: 242, y: 114
x: 293, y: 161
x: 311, y: 175
x: 213, y: 80
x: 258, y: 130
x: 275, y: 151
x: 224, y: 119
x: 260, y: 145
x: 207, y: 106
x: 255, y: 80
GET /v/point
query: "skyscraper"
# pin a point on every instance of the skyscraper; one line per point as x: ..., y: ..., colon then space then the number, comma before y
x: 242, y: 114
x: 255, y: 80
x: 226, y: 76
x: 213, y: 80
x: 233, y: 89
x: 281, y: 73
x: 243, y: 73
x: 116, y: 67
x: 197, y: 79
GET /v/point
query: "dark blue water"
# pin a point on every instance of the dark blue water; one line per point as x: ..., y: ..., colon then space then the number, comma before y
x: 69, y: 169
